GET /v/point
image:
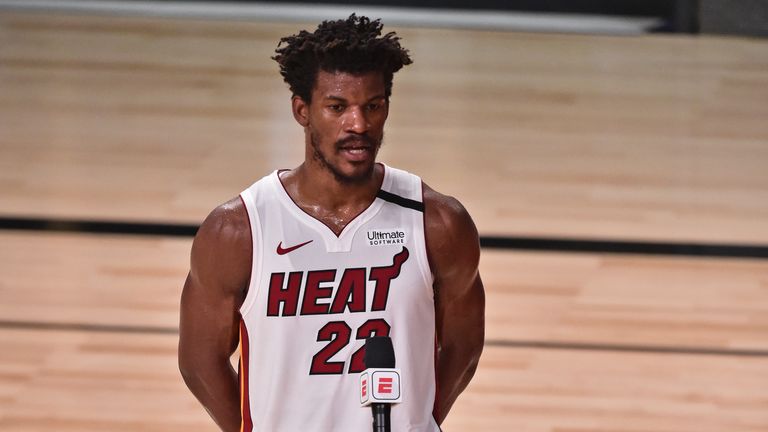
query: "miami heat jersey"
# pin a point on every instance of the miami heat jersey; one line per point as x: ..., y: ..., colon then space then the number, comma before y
x: 313, y: 299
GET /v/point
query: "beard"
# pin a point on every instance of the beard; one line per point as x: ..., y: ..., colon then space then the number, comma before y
x: 341, y: 177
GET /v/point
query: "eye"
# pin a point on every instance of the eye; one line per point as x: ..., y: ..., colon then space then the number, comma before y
x: 337, y: 108
x: 373, y: 106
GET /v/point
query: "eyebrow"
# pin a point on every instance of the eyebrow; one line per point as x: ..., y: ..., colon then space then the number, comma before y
x: 341, y: 99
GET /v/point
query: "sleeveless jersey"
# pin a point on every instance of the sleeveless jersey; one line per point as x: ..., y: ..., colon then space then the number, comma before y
x: 313, y: 299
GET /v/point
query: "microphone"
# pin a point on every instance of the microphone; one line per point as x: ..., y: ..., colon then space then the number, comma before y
x: 380, y: 382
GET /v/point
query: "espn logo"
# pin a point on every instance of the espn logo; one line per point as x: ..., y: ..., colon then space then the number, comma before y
x: 385, y: 386
x: 380, y: 386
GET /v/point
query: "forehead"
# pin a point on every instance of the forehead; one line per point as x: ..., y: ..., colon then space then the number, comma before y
x: 348, y: 86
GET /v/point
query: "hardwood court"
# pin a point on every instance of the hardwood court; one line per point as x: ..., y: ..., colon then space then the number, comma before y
x: 654, y: 138
x: 657, y: 137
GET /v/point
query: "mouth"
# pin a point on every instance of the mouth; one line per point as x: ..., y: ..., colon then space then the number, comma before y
x: 357, y: 150
x: 357, y: 153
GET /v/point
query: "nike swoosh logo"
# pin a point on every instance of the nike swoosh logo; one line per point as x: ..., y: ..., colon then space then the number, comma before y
x: 281, y: 251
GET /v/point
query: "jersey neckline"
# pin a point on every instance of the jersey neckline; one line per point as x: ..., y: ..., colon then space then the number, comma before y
x: 343, y: 240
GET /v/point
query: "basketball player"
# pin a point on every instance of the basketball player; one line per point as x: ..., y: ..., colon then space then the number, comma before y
x: 307, y: 263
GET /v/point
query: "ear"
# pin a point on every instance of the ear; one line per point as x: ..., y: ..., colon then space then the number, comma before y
x: 300, y: 110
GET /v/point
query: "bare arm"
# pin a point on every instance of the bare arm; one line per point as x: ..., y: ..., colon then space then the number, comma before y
x: 209, y: 328
x: 454, y: 253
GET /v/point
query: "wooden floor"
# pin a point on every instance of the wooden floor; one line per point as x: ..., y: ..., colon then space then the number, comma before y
x: 652, y: 138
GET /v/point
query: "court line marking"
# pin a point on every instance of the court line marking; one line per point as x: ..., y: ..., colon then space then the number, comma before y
x: 311, y: 12
x: 648, y: 349
x: 500, y: 343
x: 527, y: 243
x: 87, y: 327
x: 549, y: 244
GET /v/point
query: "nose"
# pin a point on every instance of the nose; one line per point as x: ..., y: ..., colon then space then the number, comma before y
x: 356, y: 121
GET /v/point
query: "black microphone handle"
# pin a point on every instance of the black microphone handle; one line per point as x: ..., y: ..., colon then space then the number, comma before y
x: 381, y: 417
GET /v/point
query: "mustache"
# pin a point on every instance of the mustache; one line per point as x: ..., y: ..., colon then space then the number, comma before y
x: 357, y: 139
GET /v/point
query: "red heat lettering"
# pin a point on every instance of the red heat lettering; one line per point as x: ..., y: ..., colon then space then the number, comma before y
x: 351, y: 292
x: 289, y: 296
x: 383, y: 277
x: 313, y: 292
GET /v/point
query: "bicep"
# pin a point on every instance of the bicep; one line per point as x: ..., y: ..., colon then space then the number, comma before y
x: 455, y: 253
x: 460, y: 305
x: 215, y: 287
x: 208, y: 323
x: 461, y: 313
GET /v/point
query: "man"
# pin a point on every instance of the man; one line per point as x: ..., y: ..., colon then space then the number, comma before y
x: 307, y: 263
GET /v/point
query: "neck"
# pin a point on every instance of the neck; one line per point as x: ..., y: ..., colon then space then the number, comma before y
x: 312, y: 185
x: 326, y: 199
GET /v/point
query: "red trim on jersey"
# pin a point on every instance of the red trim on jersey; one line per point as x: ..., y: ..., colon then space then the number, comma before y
x: 250, y: 231
x: 246, y: 425
x: 435, y: 407
x: 424, y: 223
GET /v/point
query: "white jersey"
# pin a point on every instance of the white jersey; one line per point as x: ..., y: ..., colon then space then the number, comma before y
x: 313, y: 299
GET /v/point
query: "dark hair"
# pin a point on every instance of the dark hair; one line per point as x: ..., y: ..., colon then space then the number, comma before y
x: 350, y: 46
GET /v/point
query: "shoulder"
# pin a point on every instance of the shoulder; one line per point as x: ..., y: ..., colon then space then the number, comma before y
x: 452, y: 239
x: 445, y: 215
x: 226, y: 225
x: 222, y: 249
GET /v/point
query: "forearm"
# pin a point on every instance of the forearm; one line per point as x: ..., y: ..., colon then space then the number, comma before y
x: 455, y: 368
x: 217, y: 388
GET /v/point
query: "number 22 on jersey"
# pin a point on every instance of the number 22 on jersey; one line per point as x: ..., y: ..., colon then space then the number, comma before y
x: 338, y: 335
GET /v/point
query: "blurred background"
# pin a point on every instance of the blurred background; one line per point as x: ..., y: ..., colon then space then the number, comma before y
x: 613, y: 154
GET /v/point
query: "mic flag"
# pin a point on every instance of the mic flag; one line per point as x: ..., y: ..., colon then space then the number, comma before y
x: 379, y: 352
x: 380, y: 382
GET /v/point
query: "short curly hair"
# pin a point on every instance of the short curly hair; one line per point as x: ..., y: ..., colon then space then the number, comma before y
x: 352, y: 45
